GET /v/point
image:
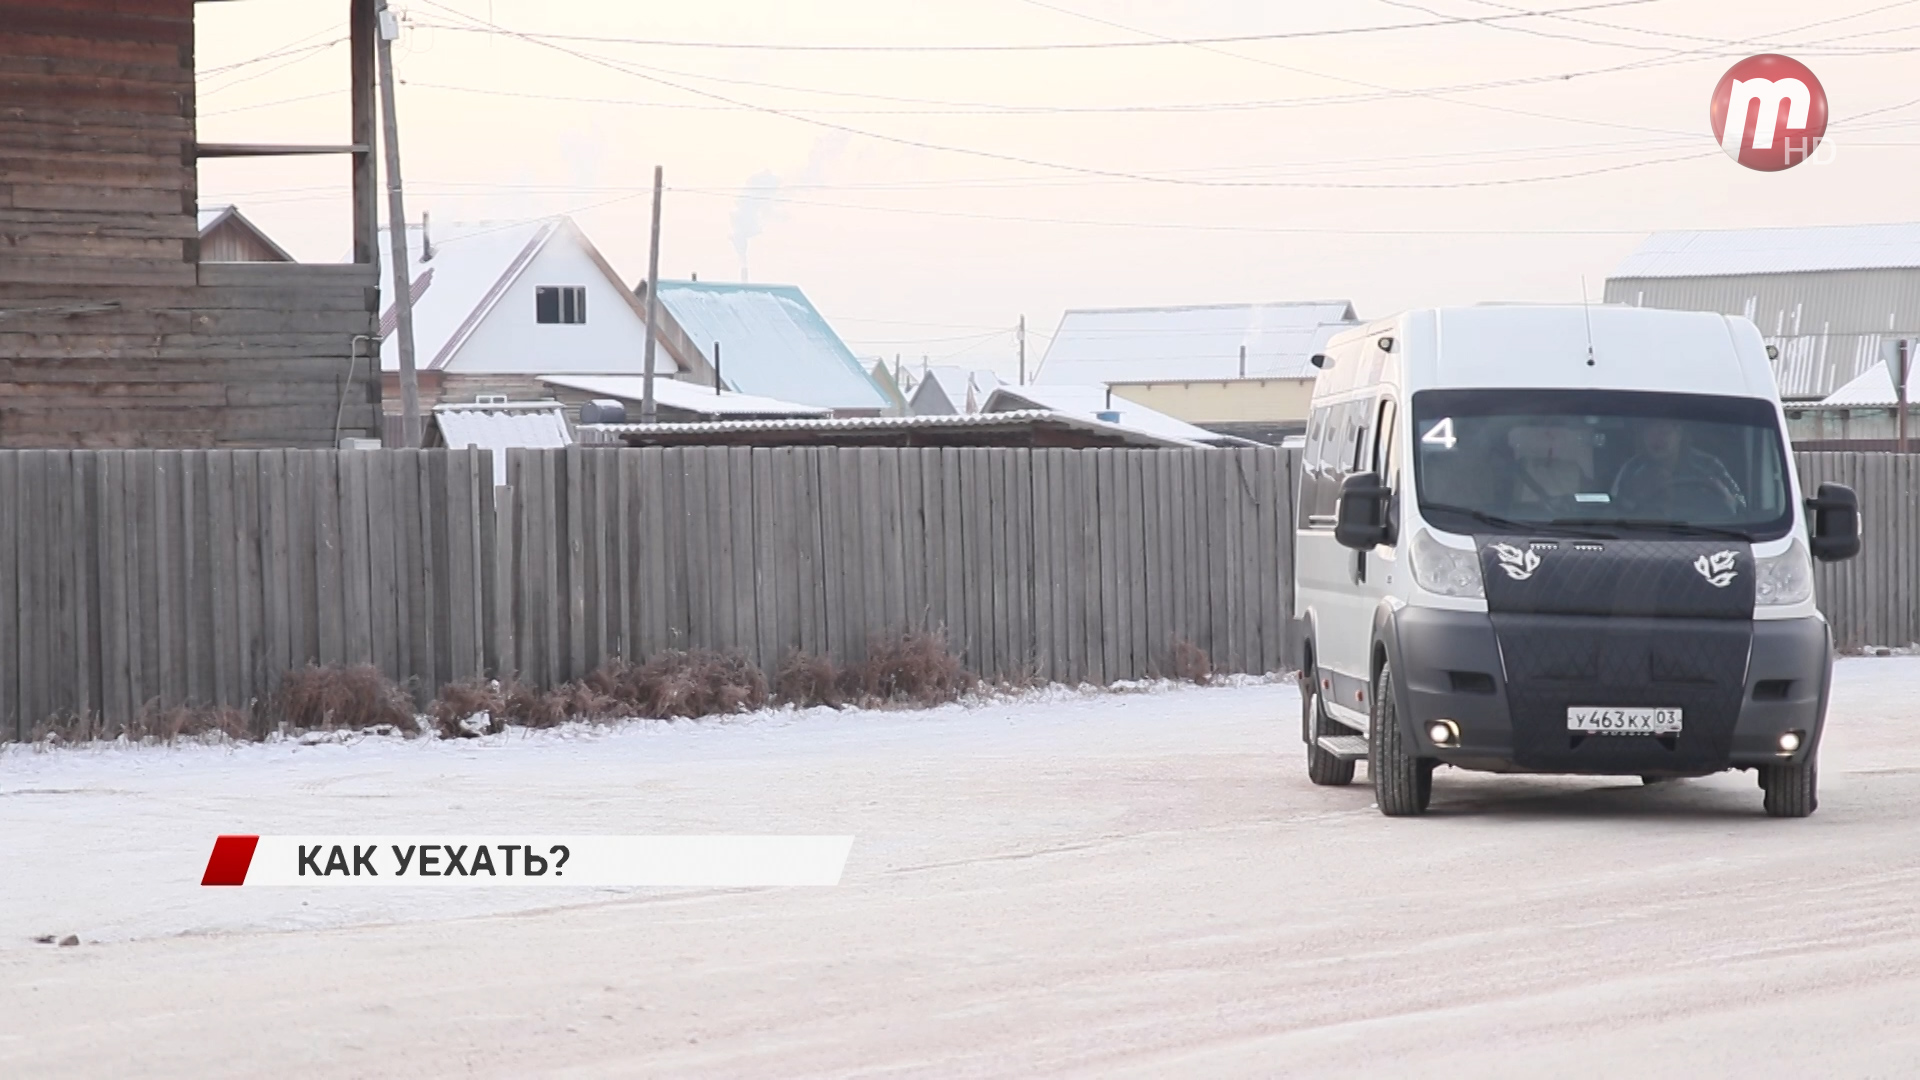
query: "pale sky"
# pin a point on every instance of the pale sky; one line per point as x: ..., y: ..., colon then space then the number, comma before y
x: 1288, y: 168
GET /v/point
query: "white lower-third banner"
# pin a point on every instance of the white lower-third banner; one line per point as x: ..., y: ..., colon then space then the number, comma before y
x: 663, y: 861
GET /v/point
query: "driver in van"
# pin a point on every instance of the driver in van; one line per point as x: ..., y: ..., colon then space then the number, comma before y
x: 1550, y: 458
x: 1668, y: 475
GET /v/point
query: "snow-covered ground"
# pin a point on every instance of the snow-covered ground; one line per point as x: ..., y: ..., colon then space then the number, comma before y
x: 1139, y: 883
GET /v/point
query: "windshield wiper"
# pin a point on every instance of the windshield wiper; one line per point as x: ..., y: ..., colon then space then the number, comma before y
x: 1561, y: 527
x: 1686, y: 528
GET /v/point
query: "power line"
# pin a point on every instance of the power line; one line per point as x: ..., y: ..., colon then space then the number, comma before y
x: 297, y: 45
x: 1181, y: 226
x: 1061, y: 166
x: 1007, y: 47
x: 303, y: 56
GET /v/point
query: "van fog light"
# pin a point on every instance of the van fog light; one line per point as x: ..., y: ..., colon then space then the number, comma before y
x: 1443, y: 733
x: 1789, y: 742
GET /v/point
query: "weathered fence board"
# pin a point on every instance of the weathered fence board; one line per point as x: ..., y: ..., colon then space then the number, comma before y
x: 138, y: 580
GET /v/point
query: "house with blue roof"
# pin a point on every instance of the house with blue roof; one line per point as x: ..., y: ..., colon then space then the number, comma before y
x: 773, y: 343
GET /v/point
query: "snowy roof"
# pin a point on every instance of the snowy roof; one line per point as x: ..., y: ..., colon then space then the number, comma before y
x: 952, y: 383
x: 1774, y: 251
x: 503, y: 427
x: 1174, y: 344
x: 773, y: 343
x: 471, y: 268
x: 1874, y: 387
x: 686, y: 396
x: 875, y: 425
x: 1089, y: 401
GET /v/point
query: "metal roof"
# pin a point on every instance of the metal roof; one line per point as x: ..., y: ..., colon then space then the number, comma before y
x: 685, y: 396
x: 1874, y: 389
x: 615, y: 433
x: 773, y: 343
x: 499, y: 428
x: 1178, y: 344
x: 1088, y: 402
x: 1774, y: 251
x: 472, y: 266
x: 951, y: 384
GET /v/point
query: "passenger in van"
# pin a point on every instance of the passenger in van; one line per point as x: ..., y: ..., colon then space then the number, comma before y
x: 1667, y: 477
x: 1468, y: 475
x: 1552, y: 459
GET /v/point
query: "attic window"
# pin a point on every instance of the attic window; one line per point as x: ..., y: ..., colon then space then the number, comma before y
x: 560, y: 303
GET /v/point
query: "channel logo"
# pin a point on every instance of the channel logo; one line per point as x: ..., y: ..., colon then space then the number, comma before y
x: 1769, y: 112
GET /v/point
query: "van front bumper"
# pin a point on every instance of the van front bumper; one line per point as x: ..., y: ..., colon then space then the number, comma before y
x: 1449, y: 665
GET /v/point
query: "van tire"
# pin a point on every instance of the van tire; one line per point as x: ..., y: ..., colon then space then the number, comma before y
x: 1322, y: 768
x: 1792, y: 790
x: 1402, y: 781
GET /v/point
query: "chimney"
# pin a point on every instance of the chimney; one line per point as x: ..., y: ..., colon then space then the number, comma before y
x: 426, y: 237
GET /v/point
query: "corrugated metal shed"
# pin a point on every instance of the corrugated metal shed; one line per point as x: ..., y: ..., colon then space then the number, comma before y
x: 1719, y: 252
x: 1088, y: 402
x: 499, y: 428
x: 684, y: 396
x: 773, y: 343
x: 1874, y: 389
x: 1825, y: 298
x: 1173, y: 344
x: 982, y: 429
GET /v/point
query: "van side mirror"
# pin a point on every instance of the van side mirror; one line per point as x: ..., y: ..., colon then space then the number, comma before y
x: 1361, y: 520
x: 1834, y: 520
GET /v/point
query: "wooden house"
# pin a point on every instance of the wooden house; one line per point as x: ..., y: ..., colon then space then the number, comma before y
x: 227, y: 235
x: 114, y: 332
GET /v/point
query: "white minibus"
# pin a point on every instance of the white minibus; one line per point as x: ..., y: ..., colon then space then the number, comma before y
x: 1559, y: 540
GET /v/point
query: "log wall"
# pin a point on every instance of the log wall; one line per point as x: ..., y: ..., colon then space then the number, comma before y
x: 112, y: 334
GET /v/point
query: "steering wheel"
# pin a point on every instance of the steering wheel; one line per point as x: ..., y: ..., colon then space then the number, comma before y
x: 1716, y: 492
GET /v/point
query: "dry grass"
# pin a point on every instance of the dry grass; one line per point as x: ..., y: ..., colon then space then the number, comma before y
x: 915, y: 668
x: 1191, y: 663
x: 807, y: 680
x: 152, y: 724
x: 471, y: 709
x: 339, y: 698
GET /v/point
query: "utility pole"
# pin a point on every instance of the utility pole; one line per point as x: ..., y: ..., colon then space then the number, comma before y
x: 1243, y: 361
x: 1021, y: 335
x: 1903, y: 353
x: 716, y: 369
x: 397, y: 227
x: 647, y: 413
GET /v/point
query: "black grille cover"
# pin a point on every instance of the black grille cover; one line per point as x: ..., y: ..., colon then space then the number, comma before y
x: 1621, y: 623
x: 1688, y: 578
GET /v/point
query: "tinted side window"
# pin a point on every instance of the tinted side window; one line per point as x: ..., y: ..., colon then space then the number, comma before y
x: 1358, y: 446
x: 1310, y: 463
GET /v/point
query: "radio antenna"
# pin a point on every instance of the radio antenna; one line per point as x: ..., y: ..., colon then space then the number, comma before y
x: 1587, y: 311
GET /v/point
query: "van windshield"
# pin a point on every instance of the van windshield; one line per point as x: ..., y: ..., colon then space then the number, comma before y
x: 1600, y: 463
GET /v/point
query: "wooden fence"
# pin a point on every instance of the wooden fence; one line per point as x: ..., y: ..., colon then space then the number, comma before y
x: 148, y: 579
x: 1874, y: 598
x: 151, y: 578
x: 1072, y: 565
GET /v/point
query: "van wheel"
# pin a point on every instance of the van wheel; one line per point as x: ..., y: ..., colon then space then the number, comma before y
x: 1792, y: 790
x: 1402, y: 781
x: 1322, y: 768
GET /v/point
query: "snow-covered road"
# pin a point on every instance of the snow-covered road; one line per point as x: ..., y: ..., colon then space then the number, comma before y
x: 1130, y: 884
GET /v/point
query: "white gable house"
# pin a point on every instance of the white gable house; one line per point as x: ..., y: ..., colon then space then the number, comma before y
x: 497, y: 306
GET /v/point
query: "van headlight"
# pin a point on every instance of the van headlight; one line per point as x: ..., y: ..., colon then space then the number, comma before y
x: 1443, y: 570
x: 1786, y: 578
